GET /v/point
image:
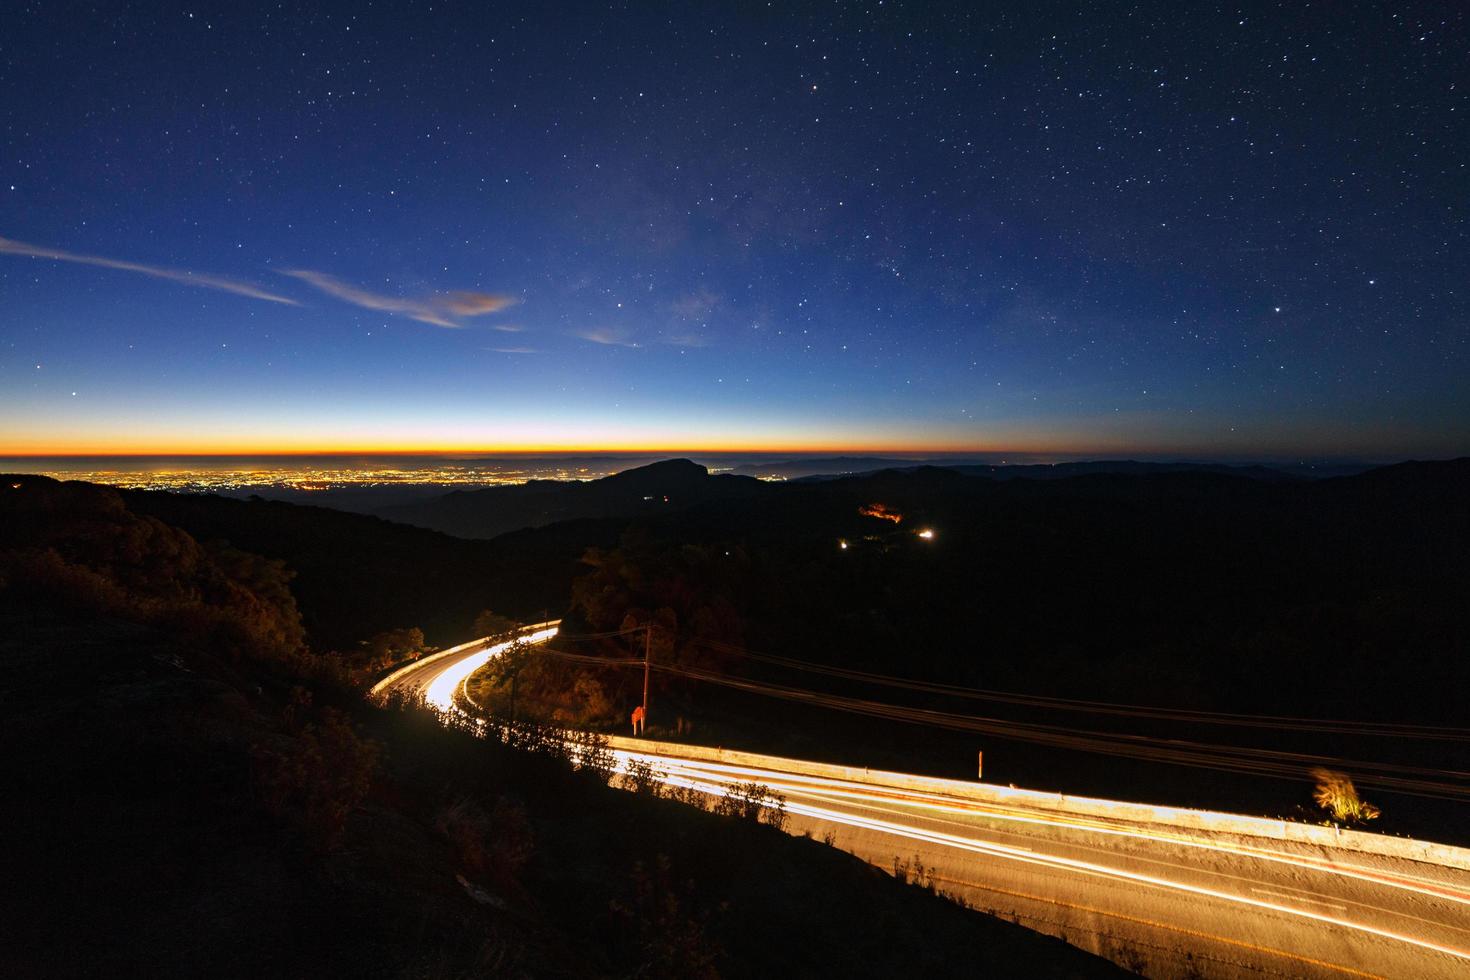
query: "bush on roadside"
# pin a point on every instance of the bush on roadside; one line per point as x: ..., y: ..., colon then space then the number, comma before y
x: 668, y: 937
x: 1336, y: 794
x: 319, y: 777
x: 642, y: 778
x: 755, y: 802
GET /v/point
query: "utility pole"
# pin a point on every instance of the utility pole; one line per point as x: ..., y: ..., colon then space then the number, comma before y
x: 647, y: 658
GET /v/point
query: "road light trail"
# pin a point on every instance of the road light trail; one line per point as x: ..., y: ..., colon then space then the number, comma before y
x: 715, y: 779
x: 1030, y: 856
x: 1175, y: 895
x: 725, y: 775
x: 722, y: 777
x: 437, y: 679
x: 444, y: 689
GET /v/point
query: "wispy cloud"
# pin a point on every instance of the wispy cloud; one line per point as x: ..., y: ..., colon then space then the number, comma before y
x: 513, y: 350
x: 607, y: 336
x: 440, y: 309
x: 508, y: 327
x: 9, y: 246
x: 696, y: 305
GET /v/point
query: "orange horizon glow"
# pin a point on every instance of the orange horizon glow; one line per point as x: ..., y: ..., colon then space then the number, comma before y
x: 1035, y: 453
x: 221, y: 448
x: 186, y: 433
x: 1029, y: 442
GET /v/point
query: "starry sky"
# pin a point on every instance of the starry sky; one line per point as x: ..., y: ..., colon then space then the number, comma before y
x: 1089, y: 228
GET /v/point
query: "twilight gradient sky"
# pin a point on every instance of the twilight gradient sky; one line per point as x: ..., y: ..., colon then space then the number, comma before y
x: 1098, y: 228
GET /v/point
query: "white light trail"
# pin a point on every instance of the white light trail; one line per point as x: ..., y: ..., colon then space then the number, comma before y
x: 709, y: 782
x: 829, y: 787
x: 950, y: 814
x: 442, y: 690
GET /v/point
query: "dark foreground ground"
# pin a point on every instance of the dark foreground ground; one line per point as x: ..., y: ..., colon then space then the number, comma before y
x: 170, y: 814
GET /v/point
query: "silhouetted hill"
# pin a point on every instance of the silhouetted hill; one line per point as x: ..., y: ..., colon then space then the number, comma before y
x: 1062, y: 471
x: 641, y: 493
x: 174, y: 810
x: 358, y: 575
x: 834, y: 466
x: 1438, y: 481
x: 841, y: 467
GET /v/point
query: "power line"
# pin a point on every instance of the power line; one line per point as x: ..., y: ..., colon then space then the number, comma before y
x: 1267, y: 762
x: 1274, y: 722
x: 1419, y: 781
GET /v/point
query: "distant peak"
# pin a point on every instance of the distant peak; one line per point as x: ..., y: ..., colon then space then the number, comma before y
x: 664, y: 471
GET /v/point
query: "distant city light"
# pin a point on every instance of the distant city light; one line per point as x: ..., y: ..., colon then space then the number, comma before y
x: 927, y: 534
x: 307, y: 476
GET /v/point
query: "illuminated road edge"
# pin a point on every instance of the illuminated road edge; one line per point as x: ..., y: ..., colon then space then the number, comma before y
x: 905, y: 813
x: 1162, y: 890
x: 455, y: 665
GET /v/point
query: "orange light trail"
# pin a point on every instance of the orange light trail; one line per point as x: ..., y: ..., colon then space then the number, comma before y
x: 1026, y: 856
x: 942, y: 815
x: 725, y: 773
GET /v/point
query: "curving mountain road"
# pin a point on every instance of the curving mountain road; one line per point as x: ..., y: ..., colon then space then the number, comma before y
x: 437, y: 679
x: 1164, y: 891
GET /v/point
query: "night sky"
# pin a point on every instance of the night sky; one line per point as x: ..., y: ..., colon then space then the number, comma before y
x: 1098, y: 229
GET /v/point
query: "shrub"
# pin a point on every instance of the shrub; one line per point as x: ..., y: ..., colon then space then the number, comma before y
x: 319, y: 777
x: 466, y: 826
x: 642, y: 778
x: 1336, y: 794
x: 591, y: 755
x: 755, y: 802
x: 536, y: 738
x: 689, y: 796
x: 512, y: 841
x: 492, y: 624
x: 669, y: 939
x: 386, y: 649
x: 498, y: 843
x: 914, y: 873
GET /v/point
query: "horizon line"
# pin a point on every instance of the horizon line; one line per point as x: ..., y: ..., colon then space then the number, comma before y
x: 1098, y: 454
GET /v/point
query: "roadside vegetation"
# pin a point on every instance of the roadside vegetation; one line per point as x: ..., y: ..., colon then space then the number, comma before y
x: 1338, y: 798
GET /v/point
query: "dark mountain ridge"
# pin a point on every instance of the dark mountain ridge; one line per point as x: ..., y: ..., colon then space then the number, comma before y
x: 658, y: 489
x: 1062, y: 471
x: 640, y: 493
x: 840, y: 467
